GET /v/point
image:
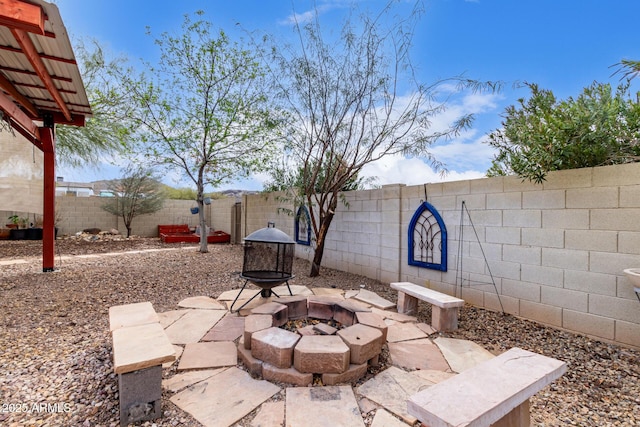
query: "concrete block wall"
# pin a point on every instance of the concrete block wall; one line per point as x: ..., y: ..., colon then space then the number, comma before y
x: 221, y: 214
x: 555, y: 252
x: 78, y: 213
x: 260, y: 209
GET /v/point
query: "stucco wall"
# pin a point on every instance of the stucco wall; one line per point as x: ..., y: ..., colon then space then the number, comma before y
x: 555, y: 251
x: 21, y: 174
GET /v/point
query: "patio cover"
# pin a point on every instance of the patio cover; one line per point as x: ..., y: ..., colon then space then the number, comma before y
x: 40, y: 86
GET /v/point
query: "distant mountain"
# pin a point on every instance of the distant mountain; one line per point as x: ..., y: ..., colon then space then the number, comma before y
x: 236, y: 193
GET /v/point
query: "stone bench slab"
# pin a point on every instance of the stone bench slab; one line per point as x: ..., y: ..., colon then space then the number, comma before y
x: 429, y: 295
x: 444, y: 313
x: 122, y: 316
x: 465, y: 400
x: 140, y: 347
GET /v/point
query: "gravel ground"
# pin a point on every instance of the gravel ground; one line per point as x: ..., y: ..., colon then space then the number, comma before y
x: 55, y: 348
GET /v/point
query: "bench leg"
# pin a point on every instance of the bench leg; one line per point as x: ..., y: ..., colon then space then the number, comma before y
x: 140, y: 395
x: 518, y: 417
x: 407, y: 304
x: 444, y: 319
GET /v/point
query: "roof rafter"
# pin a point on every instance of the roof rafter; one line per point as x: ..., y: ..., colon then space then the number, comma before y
x: 42, y: 55
x: 22, y: 122
x: 8, y: 87
x: 32, y: 73
x: 30, y: 52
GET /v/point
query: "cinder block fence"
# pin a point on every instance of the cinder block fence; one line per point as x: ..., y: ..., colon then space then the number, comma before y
x: 553, y: 253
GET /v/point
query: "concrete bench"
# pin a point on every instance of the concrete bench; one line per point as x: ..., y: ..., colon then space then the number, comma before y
x: 492, y: 393
x: 140, y: 347
x: 444, y: 315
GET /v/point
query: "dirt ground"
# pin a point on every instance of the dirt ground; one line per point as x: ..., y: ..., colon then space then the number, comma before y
x: 55, y: 344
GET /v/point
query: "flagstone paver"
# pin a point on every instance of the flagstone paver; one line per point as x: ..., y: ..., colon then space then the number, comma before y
x: 192, y: 326
x: 178, y: 349
x: 168, y: 318
x: 404, y: 332
x: 351, y: 293
x: 295, y: 290
x: 417, y: 354
x: 229, y: 328
x: 367, y: 405
x: 233, y: 293
x: 202, y: 302
x: 185, y: 379
x: 394, y: 315
x: 426, y: 328
x: 328, y: 291
x: 391, y: 388
x: 225, y: 398
x: 462, y: 354
x: 214, y: 354
x: 333, y: 406
x: 374, y: 299
x: 251, y: 304
x: 270, y: 414
x: 225, y: 394
x: 383, y: 418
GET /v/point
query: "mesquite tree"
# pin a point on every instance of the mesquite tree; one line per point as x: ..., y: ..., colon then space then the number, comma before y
x: 352, y: 100
x: 138, y: 192
x: 103, y: 134
x: 202, y: 110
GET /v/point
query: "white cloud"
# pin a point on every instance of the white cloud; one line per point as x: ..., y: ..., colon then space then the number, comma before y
x: 465, y: 157
x: 309, y: 15
x: 412, y: 171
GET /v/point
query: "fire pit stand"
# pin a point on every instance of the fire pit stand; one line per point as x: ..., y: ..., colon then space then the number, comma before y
x: 268, y: 262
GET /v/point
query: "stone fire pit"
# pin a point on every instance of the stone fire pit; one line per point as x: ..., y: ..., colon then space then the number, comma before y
x: 334, y: 355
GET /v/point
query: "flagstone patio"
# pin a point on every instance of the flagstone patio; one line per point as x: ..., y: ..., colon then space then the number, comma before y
x: 209, y: 381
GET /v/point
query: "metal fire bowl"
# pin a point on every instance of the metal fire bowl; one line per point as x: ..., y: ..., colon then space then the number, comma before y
x: 266, y: 279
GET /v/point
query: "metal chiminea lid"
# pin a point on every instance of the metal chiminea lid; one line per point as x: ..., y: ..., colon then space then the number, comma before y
x: 270, y: 234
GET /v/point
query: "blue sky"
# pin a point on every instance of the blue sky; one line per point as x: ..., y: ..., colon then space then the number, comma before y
x: 562, y: 45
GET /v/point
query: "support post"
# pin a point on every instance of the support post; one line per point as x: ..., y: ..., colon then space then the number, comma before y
x: 49, y: 199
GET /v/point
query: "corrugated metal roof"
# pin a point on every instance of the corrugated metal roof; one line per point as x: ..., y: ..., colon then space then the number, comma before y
x: 56, y: 54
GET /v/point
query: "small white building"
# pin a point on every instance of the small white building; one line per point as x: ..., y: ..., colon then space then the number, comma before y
x: 74, y: 189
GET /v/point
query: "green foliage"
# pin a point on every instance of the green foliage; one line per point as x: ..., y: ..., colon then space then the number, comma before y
x: 352, y: 100
x: 202, y: 110
x: 102, y: 134
x: 283, y: 178
x: 543, y: 134
x: 138, y: 192
x: 629, y: 69
x: 183, y: 193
